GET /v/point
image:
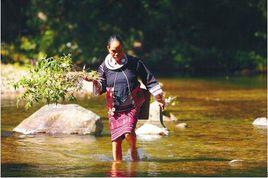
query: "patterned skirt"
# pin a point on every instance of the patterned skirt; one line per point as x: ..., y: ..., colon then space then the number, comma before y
x: 123, y: 122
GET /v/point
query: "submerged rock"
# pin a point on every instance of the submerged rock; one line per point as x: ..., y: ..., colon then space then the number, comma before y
x: 261, y: 121
x: 236, y: 162
x: 61, y: 119
x: 22, y: 136
x: 181, y: 125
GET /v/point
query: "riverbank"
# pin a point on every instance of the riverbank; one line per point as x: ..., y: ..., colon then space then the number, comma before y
x: 11, y: 74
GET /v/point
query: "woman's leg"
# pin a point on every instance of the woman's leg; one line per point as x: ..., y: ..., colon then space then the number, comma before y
x: 131, y: 139
x: 117, y: 149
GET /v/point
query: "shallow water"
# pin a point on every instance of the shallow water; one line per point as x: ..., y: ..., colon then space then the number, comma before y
x: 219, y: 114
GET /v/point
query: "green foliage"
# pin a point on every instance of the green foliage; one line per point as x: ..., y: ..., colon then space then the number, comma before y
x: 191, y: 36
x: 251, y: 60
x: 51, y: 80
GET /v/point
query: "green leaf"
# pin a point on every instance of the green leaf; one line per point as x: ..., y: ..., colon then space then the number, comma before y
x: 50, y: 80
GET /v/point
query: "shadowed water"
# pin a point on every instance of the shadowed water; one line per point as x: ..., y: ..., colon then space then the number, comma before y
x: 219, y: 114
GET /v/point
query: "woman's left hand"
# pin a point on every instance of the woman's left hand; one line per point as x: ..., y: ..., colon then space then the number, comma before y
x: 161, y: 101
x: 161, y: 104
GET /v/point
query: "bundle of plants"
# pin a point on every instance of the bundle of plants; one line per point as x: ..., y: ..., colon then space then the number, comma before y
x: 52, y: 80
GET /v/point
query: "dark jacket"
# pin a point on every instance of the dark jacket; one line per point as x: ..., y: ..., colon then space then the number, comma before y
x: 125, y: 79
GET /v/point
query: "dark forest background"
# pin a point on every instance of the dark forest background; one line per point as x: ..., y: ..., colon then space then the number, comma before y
x: 171, y: 36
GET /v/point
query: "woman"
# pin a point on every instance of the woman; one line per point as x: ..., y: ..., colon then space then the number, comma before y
x: 119, y: 75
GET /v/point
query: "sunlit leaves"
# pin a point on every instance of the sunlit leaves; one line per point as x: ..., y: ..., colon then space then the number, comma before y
x: 52, y: 81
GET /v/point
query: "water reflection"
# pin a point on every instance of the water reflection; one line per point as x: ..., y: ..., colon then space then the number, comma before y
x: 59, y: 140
x: 219, y: 116
x: 54, y: 150
x: 261, y: 130
x: 120, y: 169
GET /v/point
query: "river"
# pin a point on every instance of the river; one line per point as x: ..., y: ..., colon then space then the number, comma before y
x: 218, y: 111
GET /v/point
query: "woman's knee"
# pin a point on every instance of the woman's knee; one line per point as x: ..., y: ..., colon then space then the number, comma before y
x: 127, y: 136
x: 117, y: 142
x: 130, y: 137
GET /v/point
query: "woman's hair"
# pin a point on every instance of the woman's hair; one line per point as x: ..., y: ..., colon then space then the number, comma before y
x: 114, y: 38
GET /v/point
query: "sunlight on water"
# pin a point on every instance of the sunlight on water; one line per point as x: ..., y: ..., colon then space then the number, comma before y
x: 219, y: 114
x: 143, y: 156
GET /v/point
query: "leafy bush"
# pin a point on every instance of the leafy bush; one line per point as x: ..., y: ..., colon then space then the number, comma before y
x: 51, y: 80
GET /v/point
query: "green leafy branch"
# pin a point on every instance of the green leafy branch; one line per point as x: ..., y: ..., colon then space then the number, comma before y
x: 52, y: 80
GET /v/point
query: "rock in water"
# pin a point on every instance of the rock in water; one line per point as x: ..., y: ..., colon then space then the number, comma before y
x: 236, y: 162
x: 154, y: 112
x: 150, y: 129
x: 181, y: 125
x: 261, y: 121
x: 61, y: 119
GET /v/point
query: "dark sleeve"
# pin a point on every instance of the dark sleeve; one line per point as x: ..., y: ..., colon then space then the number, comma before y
x: 102, y: 80
x: 148, y: 79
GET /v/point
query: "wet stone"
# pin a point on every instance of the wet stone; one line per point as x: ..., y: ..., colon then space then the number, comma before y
x: 22, y: 136
x: 181, y: 125
x: 236, y: 162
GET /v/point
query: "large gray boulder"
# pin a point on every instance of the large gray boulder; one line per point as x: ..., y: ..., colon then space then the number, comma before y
x: 61, y: 119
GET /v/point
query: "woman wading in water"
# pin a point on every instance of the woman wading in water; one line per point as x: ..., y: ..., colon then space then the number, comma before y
x: 119, y: 75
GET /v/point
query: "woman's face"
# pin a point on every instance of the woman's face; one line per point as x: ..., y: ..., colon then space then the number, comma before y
x: 116, y: 50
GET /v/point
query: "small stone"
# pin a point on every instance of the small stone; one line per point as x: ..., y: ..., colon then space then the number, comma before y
x: 30, y: 136
x: 22, y: 136
x: 261, y: 121
x: 235, y: 162
x: 181, y: 125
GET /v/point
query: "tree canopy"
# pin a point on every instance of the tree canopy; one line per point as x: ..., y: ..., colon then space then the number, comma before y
x: 171, y: 35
